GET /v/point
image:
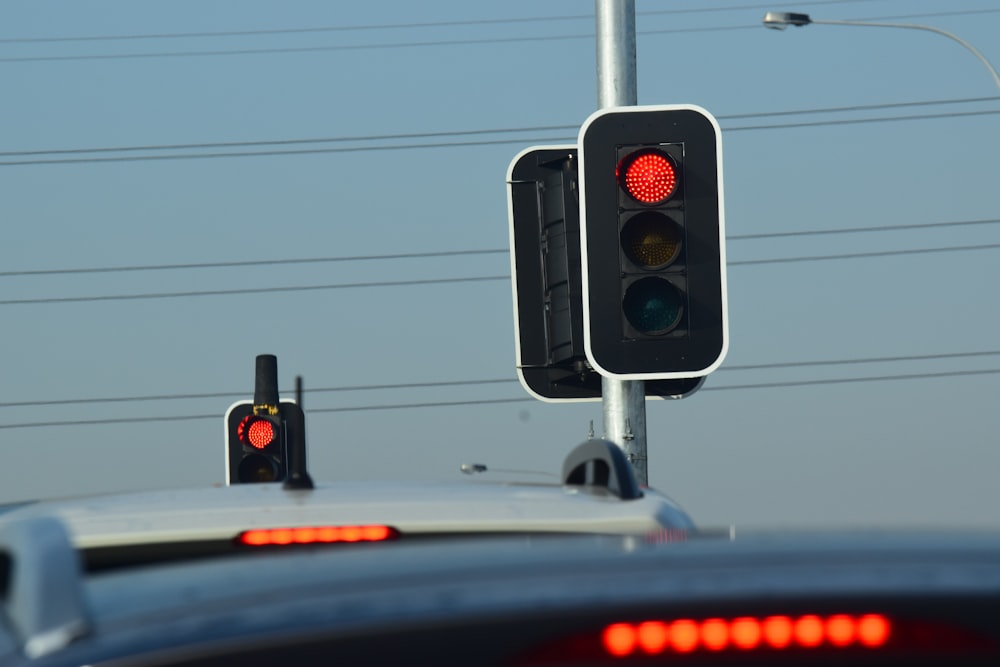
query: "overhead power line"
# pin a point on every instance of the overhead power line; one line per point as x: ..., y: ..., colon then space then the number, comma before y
x: 231, y: 394
x: 401, y: 26
x: 397, y: 44
x: 460, y: 144
x: 443, y: 281
x: 261, y: 262
x: 409, y: 136
x: 314, y: 140
x: 856, y: 121
x: 470, y: 251
x: 273, y: 153
x: 857, y: 230
x: 251, y: 290
x: 863, y: 255
x: 498, y: 401
x: 466, y: 383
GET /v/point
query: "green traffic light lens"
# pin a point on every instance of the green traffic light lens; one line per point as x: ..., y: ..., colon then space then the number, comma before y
x: 653, y: 306
x: 651, y: 240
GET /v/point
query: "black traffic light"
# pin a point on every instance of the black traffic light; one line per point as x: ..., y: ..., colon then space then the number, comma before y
x: 544, y: 216
x: 545, y: 261
x: 257, y: 443
x: 653, y: 244
x: 260, y: 433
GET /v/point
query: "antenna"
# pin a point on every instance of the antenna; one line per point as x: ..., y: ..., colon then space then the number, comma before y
x: 298, y: 478
x: 266, y: 381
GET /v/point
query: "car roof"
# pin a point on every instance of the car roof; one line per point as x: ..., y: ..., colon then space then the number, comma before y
x: 427, y: 507
x: 598, y: 493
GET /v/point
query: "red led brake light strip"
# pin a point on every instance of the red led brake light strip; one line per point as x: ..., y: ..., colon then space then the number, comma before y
x: 316, y: 535
x: 746, y: 633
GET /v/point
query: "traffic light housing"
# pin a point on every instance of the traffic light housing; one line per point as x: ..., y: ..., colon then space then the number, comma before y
x: 653, y: 242
x: 544, y: 217
x: 259, y: 438
x: 545, y: 274
x: 262, y: 433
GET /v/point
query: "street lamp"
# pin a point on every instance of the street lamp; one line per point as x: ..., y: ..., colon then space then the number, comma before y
x: 781, y: 20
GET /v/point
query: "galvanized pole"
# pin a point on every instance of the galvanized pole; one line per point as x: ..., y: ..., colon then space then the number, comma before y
x: 624, y: 401
x: 616, y: 53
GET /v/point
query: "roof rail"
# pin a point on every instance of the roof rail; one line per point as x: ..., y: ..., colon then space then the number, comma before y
x: 41, y: 583
x: 602, y: 464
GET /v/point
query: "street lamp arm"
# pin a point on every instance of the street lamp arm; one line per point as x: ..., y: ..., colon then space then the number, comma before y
x: 970, y: 47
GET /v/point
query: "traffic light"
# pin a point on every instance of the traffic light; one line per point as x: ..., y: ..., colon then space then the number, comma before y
x: 545, y: 262
x: 544, y: 216
x: 653, y: 244
x: 262, y: 433
x: 257, y: 443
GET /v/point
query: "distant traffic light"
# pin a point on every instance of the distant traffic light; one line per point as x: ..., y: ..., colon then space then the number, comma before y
x: 257, y: 444
x: 653, y: 244
x: 260, y: 434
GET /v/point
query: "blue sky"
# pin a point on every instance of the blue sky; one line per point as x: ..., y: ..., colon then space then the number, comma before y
x: 183, y: 86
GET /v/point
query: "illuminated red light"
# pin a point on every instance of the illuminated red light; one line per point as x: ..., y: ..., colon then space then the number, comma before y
x: 746, y: 633
x: 316, y: 535
x: 282, y: 536
x: 258, y: 433
x: 653, y: 637
x: 873, y: 630
x: 684, y: 636
x: 715, y: 634
x: 649, y: 176
x: 809, y: 631
x: 620, y: 639
x: 841, y: 630
x: 778, y: 631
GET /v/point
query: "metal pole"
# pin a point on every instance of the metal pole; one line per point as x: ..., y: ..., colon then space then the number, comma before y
x: 616, y: 85
x: 623, y: 401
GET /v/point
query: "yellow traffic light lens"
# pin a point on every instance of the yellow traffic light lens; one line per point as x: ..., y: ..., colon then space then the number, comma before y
x: 648, y: 176
x: 651, y: 240
x: 256, y: 468
x: 653, y: 306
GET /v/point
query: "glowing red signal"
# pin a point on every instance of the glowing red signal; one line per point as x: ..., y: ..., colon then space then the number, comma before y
x: 256, y: 432
x: 648, y: 176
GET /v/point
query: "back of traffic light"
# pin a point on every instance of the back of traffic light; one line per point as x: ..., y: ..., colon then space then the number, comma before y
x: 653, y: 243
x: 265, y: 438
x: 545, y: 272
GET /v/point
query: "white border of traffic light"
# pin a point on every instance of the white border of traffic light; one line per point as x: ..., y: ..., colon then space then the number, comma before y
x: 583, y: 244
